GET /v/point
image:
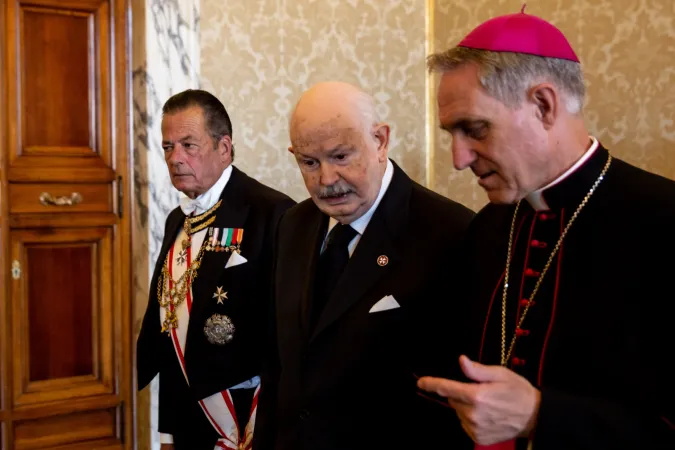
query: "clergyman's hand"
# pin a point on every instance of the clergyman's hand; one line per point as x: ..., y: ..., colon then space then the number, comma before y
x: 500, y: 406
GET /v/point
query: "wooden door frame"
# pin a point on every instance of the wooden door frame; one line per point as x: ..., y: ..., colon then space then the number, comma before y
x: 122, y: 141
x: 4, y: 238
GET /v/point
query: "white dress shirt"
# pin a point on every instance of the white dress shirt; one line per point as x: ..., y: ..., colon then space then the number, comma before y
x: 209, y: 198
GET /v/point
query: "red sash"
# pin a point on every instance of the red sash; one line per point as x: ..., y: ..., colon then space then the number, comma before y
x: 218, y: 408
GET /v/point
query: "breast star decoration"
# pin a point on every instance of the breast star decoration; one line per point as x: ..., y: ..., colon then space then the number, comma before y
x: 220, y: 295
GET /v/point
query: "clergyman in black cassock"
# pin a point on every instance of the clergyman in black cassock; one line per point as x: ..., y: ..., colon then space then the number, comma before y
x: 567, y: 294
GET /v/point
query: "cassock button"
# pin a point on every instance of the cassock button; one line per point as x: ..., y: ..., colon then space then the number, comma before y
x: 524, y: 303
x: 538, y: 244
x: 517, y: 361
x: 521, y: 332
x: 304, y: 414
x: 531, y: 273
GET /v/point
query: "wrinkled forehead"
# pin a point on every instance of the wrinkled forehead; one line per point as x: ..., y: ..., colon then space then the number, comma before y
x: 307, y: 136
x: 459, y: 86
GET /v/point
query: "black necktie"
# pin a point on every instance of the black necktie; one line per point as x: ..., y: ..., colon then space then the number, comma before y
x: 331, y: 265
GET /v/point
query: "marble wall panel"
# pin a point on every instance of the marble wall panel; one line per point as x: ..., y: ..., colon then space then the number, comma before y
x: 165, y: 61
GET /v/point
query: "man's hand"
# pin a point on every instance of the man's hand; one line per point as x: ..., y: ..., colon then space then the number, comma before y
x: 500, y: 406
x: 166, y: 447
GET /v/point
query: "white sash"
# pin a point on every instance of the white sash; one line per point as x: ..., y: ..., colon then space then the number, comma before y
x: 218, y: 408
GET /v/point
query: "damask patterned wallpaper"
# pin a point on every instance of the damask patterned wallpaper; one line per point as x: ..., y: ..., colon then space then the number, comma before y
x: 258, y: 56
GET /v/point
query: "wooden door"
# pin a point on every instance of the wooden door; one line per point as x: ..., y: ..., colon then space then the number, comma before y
x: 65, y: 336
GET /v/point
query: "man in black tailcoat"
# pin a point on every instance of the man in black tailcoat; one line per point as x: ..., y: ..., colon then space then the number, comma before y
x: 206, y: 318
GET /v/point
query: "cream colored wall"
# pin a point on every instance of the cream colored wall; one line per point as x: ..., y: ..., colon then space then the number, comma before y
x: 258, y: 56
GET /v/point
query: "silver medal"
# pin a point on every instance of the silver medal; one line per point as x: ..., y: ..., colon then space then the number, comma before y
x: 219, y: 329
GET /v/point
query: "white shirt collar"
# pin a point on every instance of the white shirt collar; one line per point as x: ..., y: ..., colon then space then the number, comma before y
x: 209, y: 198
x: 536, y: 198
x: 361, y: 223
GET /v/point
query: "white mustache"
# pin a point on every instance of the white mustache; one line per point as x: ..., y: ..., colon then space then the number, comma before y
x: 333, y: 191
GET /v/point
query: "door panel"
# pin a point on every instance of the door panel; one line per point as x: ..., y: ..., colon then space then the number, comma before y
x: 60, y: 93
x: 62, y: 314
x: 47, y: 432
x: 56, y: 304
x: 57, y: 66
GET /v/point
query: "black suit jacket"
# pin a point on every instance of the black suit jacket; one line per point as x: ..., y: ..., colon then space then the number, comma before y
x: 349, y: 383
x: 599, y: 340
x: 256, y: 208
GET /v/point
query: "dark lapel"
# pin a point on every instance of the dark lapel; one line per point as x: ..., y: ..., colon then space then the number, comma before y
x: 308, y: 246
x: 232, y: 213
x: 380, y: 239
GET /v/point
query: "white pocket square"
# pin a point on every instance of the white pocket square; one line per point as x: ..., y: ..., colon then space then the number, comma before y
x: 385, y: 303
x: 235, y: 260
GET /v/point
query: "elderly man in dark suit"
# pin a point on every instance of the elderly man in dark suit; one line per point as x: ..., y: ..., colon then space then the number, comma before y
x: 356, y: 267
x: 205, y: 320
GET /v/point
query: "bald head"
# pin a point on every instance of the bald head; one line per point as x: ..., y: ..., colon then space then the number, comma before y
x: 333, y: 105
x: 341, y: 148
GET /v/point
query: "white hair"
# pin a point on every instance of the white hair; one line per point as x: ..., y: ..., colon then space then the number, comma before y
x: 507, y: 76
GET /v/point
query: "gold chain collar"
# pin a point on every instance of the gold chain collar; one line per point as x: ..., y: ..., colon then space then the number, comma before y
x: 506, y: 356
x: 189, y: 224
x: 171, y: 298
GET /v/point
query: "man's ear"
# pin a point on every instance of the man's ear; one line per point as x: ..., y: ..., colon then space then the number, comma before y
x: 225, y: 149
x: 381, y: 135
x: 547, y: 101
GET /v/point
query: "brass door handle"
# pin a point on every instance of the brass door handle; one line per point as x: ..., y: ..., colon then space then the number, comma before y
x: 47, y: 199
